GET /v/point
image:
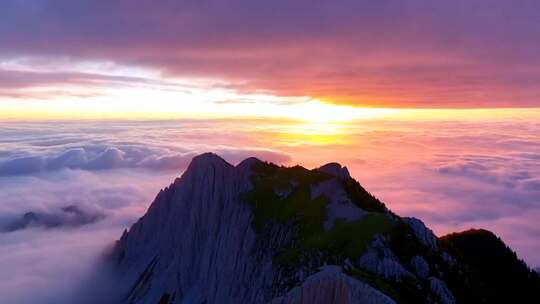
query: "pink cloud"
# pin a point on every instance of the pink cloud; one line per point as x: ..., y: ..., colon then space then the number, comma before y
x: 406, y: 54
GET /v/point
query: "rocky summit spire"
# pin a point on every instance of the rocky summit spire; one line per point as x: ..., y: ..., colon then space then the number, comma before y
x: 260, y: 233
x: 336, y: 170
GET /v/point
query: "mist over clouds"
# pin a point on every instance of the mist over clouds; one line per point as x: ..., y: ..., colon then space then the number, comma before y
x: 460, y: 174
x: 54, y: 261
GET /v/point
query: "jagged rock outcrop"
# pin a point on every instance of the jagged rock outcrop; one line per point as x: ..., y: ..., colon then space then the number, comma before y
x: 339, y: 203
x: 330, y: 285
x: 420, y: 266
x: 380, y: 259
x: 422, y: 233
x: 336, y: 170
x: 260, y: 233
x: 442, y: 292
x: 196, y: 243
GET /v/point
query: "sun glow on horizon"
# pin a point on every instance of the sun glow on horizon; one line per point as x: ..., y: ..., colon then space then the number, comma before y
x: 152, y: 103
x: 106, y: 90
x: 318, y: 112
x: 140, y: 104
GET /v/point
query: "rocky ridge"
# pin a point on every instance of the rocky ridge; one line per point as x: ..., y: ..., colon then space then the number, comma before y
x: 260, y: 233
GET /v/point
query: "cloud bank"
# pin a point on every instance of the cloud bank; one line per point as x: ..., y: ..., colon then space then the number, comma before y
x: 92, y: 157
x: 113, y: 158
x: 454, y: 175
x: 81, y: 158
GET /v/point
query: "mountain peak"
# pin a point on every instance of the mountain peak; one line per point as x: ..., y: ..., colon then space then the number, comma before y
x: 336, y: 170
x: 206, y: 161
x: 249, y: 162
x: 208, y: 158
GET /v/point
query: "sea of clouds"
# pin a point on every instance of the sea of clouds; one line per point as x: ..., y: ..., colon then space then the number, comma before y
x: 69, y: 189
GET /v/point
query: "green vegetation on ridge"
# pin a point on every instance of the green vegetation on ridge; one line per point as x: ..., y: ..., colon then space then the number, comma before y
x: 350, y: 239
x: 283, y: 194
x: 296, y: 201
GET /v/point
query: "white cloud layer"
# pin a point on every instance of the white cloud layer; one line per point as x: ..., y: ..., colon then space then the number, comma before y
x: 453, y: 175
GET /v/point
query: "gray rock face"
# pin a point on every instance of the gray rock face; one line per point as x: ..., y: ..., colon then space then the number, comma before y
x: 379, y: 259
x: 420, y: 266
x: 449, y: 260
x: 339, y: 204
x: 422, y: 233
x: 439, y: 288
x: 331, y: 286
x: 195, y: 244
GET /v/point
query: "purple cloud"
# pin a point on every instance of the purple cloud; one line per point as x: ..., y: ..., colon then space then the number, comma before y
x: 392, y: 53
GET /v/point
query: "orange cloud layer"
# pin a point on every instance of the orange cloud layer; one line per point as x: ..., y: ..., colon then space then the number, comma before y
x: 452, y: 54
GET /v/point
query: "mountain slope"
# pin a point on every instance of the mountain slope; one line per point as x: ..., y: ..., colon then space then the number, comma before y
x: 492, y: 270
x: 260, y: 233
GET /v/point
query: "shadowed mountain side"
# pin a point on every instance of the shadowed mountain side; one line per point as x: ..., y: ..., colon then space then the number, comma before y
x: 492, y: 270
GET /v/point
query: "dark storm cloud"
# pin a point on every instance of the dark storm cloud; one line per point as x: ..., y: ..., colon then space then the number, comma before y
x: 395, y: 53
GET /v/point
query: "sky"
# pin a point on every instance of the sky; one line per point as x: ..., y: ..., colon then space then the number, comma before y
x: 434, y: 106
x: 61, y: 58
